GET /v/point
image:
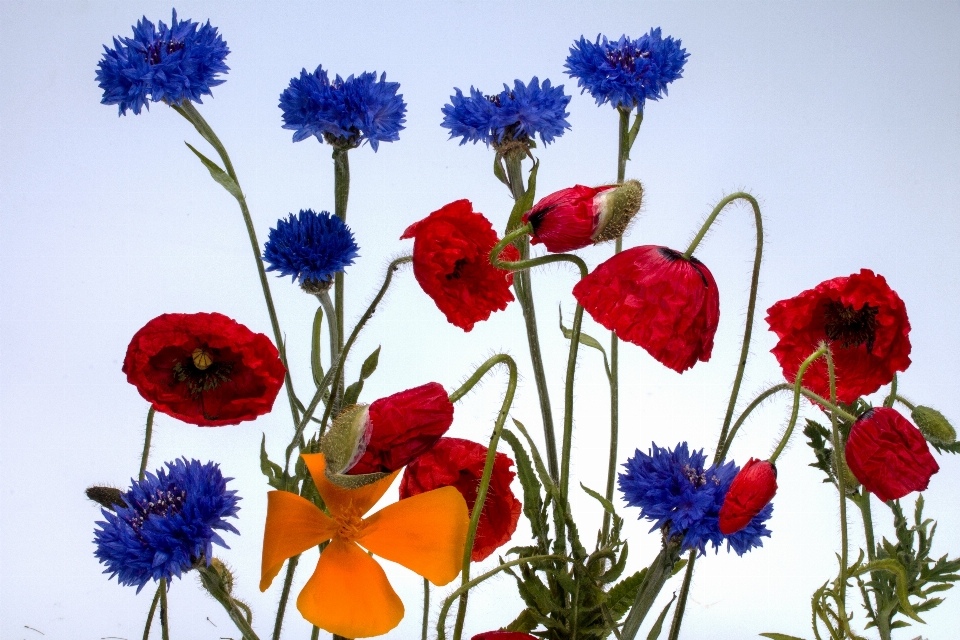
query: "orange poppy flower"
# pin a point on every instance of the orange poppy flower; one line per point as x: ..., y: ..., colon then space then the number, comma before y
x: 349, y: 594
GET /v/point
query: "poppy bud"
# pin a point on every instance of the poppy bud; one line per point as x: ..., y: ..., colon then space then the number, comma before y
x: 749, y: 493
x: 934, y: 426
x: 580, y: 216
x: 888, y: 455
x: 108, y: 497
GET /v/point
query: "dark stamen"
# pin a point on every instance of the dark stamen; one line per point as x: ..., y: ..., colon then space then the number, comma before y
x: 206, y: 379
x: 696, y: 478
x: 457, y: 269
x: 848, y: 326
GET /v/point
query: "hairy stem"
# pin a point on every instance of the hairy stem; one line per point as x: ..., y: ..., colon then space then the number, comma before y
x: 797, y: 385
x: 164, y: 621
x: 657, y: 575
x: 285, y: 595
x: 153, y: 609
x: 682, y: 604
x: 147, y: 436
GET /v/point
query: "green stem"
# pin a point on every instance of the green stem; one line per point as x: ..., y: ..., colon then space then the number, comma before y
x: 484, y: 485
x: 188, y: 111
x: 523, y: 288
x: 526, y: 264
x: 657, y: 575
x: 164, y: 622
x: 341, y: 189
x: 905, y: 402
x: 568, y: 406
x: 426, y: 609
x: 725, y: 449
x: 213, y: 584
x: 481, y: 371
x: 315, y: 634
x: 332, y: 325
x: 464, y: 588
x: 796, y: 401
x: 153, y: 608
x: 285, y: 595
x: 839, y: 462
x: 888, y: 401
x: 682, y: 604
x: 147, y: 436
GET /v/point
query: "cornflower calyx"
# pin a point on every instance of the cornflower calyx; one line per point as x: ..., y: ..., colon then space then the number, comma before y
x: 849, y: 326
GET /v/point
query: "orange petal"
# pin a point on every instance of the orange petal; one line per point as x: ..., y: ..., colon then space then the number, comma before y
x: 425, y: 533
x: 339, y: 499
x: 349, y: 594
x: 294, y: 524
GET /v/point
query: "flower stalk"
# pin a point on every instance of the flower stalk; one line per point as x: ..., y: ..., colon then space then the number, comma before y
x: 147, y: 436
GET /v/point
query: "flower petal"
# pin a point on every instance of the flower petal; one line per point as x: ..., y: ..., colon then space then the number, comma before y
x: 349, y: 594
x: 339, y: 499
x: 294, y: 524
x: 425, y: 533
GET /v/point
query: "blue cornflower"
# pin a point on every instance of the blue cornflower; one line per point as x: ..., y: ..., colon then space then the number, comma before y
x: 173, y: 64
x: 674, y: 489
x: 626, y: 73
x: 312, y: 247
x: 345, y: 113
x: 516, y: 114
x: 168, y: 524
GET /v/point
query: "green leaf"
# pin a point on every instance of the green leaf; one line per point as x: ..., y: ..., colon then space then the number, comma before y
x: 607, y: 505
x: 658, y: 625
x: 219, y: 174
x: 677, y: 568
x: 779, y: 636
x: 621, y: 597
x: 532, y: 502
x: 893, y: 566
x: 523, y: 205
x: 525, y: 622
x: 545, y: 479
x: 316, y: 367
x: 352, y: 394
x: 498, y: 170
x: 587, y: 341
x: 271, y: 470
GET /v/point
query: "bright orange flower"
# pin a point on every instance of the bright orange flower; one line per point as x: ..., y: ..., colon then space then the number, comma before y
x: 349, y: 594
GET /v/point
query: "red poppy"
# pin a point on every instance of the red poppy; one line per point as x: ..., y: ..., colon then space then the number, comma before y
x: 403, y: 426
x: 450, y: 261
x: 751, y: 490
x: 888, y: 455
x: 459, y: 463
x: 653, y: 297
x: 503, y: 635
x: 204, y: 368
x: 864, y: 321
x: 566, y: 220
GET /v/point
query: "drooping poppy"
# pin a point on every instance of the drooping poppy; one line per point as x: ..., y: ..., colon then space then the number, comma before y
x: 864, y: 321
x: 204, y: 368
x: 450, y: 262
x: 348, y: 593
x: 888, y: 455
x: 751, y: 490
x: 459, y: 463
x: 655, y: 298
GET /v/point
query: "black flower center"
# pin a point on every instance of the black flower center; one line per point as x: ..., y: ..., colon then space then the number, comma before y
x: 672, y: 255
x: 848, y: 326
x: 154, y: 50
x: 162, y: 504
x: 457, y: 269
x: 626, y: 58
x: 202, y: 370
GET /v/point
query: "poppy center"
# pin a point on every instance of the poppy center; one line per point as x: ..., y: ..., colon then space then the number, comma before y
x: 848, y: 326
x: 457, y: 269
x: 349, y: 524
x: 162, y: 503
x: 154, y: 50
x: 202, y: 370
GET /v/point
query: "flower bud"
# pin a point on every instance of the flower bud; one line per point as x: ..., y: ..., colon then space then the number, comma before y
x: 888, y: 455
x: 347, y: 438
x: 934, y: 426
x: 749, y: 493
x: 107, y: 497
x: 581, y: 216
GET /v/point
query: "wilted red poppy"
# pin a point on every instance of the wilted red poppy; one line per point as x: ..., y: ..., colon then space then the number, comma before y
x: 459, y: 463
x: 403, y: 426
x: 652, y: 297
x: 888, y: 455
x: 204, y: 368
x: 450, y: 261
x: 864, y: 321
x: 751, y: 490
x: 566, y: 220
x: 503, y: 635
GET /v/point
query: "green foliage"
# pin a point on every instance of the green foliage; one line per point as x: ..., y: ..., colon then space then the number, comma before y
x: 818, y: 438
x: 352, y: 394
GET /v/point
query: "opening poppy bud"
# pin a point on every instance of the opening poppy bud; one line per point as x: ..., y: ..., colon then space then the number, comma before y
x: 106, y: 497
x: 934, y: 426
x: 751, y: 490
x: 347, y: 438
x: 617, y: 210
x: 655, y: 298
x: 888, y: 455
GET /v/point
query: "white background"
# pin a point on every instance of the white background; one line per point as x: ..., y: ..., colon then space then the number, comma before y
x: 843, y: 118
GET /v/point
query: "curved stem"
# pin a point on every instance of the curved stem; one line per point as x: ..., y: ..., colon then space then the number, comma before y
x: 464, y: 588
x: 153, y: 609
x: 888, y: 401
x: 285, y: 595
x: 188, y: 111
x: 484, y: 484
x: 147, y: 436
x: 164, y: 622
x: 682, y: 603
x: 839, y: 462
x: 214, y: 586
x: 336, y: 372
x: 796, y: 401
x: 524, y: 264
x: 905, y: 402
x: 725, y: 449
x: 481, y: 371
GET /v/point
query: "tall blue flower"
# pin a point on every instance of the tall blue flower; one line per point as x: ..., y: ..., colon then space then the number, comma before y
x: 345, y: 113
x: 517, y: 114
x: 675, y: 489
x: 312, y: 247
x: 169, y: 523
x: 173, y: 64
x: 627, y: 73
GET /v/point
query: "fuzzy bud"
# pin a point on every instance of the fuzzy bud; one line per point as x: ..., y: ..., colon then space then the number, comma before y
x: 934, y: 426
x: 617, y: 209
x: 106, y: 497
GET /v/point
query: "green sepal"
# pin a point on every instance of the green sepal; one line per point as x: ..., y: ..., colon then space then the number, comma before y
x: 354, y: 482
x: 523, y: 205
x: 586, y: 341
x: 352, y: 394
x: 218, y: 174
x: 272, y: 470
x: 934, y: 426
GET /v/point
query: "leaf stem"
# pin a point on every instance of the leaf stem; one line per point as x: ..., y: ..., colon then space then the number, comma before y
x: 682, y: 604
x: 426, y: 609
x: 285, y: 595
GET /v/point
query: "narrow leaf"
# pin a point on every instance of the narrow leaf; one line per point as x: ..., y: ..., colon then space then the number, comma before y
x: 607, y: 505
x: 894, y: 567
x: 622, y: 595
x: 219, y: 174
x: 370, y: 364
x: 352, y: 394
x: 498, y: 170
x: 523, y: 205
x: 316, y: 367
x: 779, y: 636
x: 658, y: 625
x: 586, y: 341
x: 532, y: 503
